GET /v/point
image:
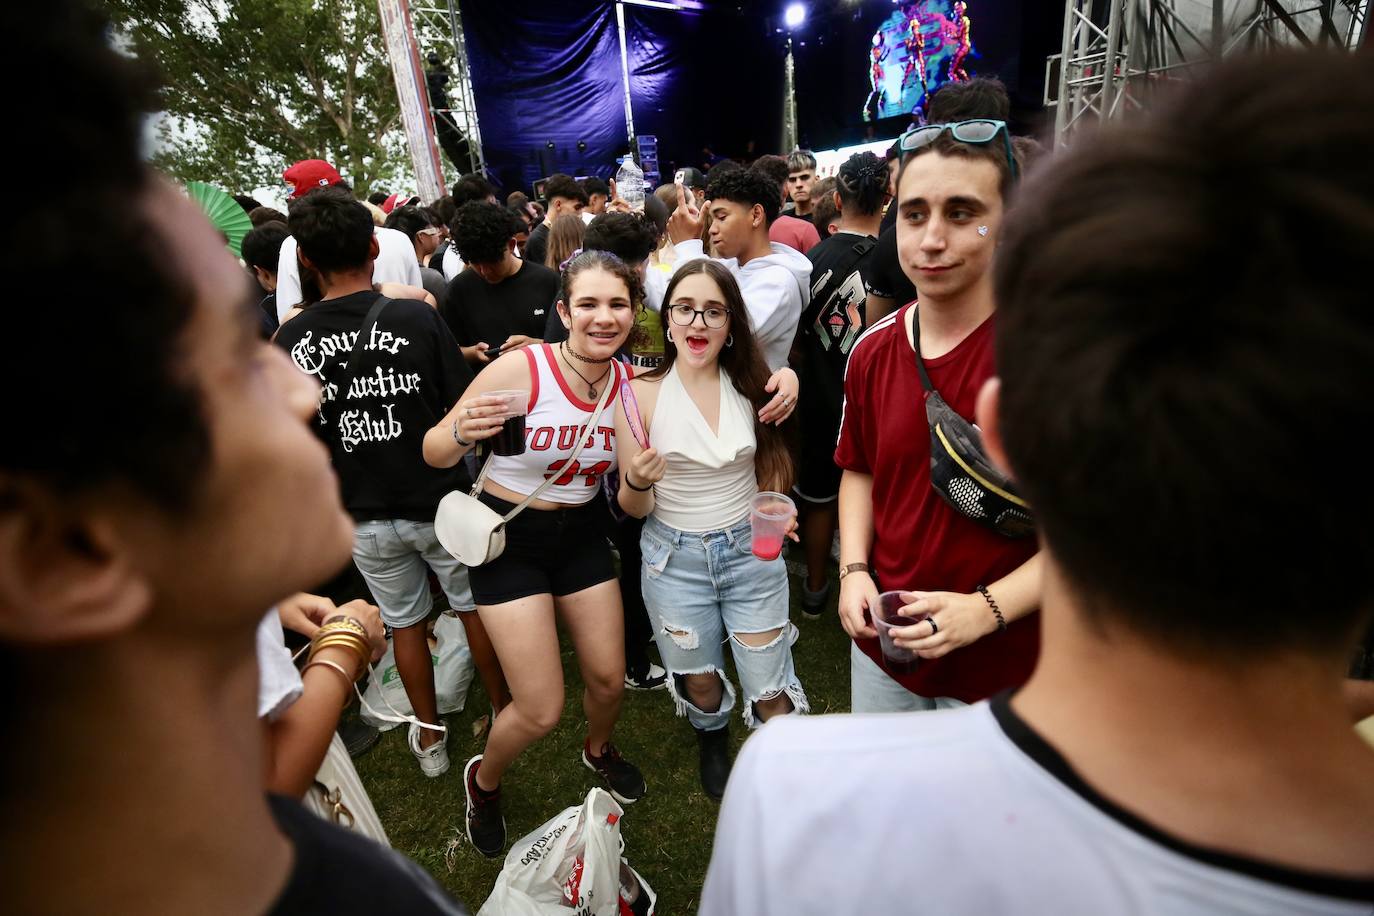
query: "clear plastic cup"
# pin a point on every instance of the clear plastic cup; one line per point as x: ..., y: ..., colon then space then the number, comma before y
x: 770, y: 515
x: 511, y: 439
x: 887, y: 616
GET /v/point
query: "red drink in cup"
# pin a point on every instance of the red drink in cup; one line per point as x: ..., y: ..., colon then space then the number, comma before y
x: 887, y: 616
x: 510, y: 440
x: 770, y: 515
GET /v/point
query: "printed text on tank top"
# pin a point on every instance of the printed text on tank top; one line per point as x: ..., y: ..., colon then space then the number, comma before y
x: 556, y: 415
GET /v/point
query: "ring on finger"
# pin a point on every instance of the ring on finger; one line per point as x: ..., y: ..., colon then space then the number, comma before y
x: 934, y: 627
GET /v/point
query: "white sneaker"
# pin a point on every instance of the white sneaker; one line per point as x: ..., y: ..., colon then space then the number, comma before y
x: 433, y: 759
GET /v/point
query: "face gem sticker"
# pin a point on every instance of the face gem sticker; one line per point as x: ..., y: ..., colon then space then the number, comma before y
x: 983, y: 230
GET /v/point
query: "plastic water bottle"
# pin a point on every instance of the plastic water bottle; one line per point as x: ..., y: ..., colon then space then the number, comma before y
x: 629, y: 184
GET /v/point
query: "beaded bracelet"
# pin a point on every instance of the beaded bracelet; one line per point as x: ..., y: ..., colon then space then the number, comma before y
x: 987, y: 596
x: 341, y: 623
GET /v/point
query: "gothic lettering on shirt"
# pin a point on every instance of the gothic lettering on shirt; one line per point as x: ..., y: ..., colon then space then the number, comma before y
x: 369, y: 422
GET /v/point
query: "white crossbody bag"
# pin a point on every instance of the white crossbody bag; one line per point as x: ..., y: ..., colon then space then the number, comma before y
x: 474, y: 532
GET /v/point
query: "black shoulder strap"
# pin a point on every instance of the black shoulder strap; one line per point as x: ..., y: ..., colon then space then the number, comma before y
x: 916, y: 346
x: 856, y: 254
x: 345, y: 380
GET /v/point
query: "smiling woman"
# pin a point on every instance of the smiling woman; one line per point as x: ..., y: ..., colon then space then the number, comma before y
x: 555, y: 558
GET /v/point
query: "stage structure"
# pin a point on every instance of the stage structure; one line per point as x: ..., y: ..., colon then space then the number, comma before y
x: 413, y: 97
x: 439, y: 33
x: 1115, y: 51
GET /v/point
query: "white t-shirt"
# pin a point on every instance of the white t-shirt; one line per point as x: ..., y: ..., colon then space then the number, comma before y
x: 395, y: 264
x: 963, y: 811
x: 452, y: 263
x: 279, y: 683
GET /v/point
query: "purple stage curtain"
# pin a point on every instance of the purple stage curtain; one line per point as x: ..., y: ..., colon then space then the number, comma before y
x: 546, y: 70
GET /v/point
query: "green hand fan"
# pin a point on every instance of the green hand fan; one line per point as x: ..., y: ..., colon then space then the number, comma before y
x: 224, y: 212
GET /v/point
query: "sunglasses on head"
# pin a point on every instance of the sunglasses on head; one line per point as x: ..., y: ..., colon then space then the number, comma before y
x: 980, y: 130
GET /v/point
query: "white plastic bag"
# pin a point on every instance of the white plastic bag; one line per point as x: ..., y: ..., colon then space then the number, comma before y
x: 338, y: 796
x: 453, y: 672
x: 570, y: 865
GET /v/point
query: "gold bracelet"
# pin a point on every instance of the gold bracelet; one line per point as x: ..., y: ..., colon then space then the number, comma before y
x: 349, y: 641
x: 352, y: 640
x: 348, y: 682
x: 342, y: 625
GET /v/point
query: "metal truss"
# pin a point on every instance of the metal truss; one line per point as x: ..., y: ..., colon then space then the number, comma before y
x: 438, y: 28
x: 1115, y: 51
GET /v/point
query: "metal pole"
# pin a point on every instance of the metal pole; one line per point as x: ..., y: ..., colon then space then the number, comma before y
x: 625, y: 73
x: 1063, y: 109
x: 789, y: 111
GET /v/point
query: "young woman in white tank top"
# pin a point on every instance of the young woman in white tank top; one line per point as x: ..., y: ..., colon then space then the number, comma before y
x: 556, y: 556
x: 702, y: 455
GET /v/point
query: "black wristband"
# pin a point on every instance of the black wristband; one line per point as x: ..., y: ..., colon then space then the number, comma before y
x: 987, y: 596
x: 631, y: 484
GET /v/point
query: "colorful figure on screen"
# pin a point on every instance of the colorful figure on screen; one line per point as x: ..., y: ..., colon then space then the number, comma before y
x: 963, y: 42
x: 877, y: 54
x: 915, y: 45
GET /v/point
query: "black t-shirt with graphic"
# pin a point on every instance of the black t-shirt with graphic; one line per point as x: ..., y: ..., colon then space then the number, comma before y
x: 831, y: 324
x: 408, y: 375
x: 482, y: 312
x: 341, y: 873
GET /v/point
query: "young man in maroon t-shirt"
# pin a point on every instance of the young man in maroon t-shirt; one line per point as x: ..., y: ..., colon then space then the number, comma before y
x: 896, y: 532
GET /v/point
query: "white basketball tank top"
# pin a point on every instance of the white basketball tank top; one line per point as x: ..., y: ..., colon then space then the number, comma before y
x: 556, y: 414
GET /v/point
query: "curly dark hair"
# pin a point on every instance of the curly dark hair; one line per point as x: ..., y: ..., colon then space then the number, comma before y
x: 629, y: 236
x: 332, y: 229
x: 144, y: 416
x: 482, y: 231
x: 747, y: 187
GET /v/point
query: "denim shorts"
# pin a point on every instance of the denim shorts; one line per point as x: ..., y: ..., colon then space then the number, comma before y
x: 704, y: 588
x: 394, y: 556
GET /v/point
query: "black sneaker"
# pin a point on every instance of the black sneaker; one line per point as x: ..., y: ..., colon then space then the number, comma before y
x: 651, y: 679
x: 486, y: 825
x: 621, y: 777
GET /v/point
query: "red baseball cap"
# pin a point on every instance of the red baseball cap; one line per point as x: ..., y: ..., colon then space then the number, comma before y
x: 398, y: 200
x: 309, y: 174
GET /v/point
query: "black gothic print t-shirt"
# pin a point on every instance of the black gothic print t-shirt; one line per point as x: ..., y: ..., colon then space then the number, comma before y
x: 408, y: 374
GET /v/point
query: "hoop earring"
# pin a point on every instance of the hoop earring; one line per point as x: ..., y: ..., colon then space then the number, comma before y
x: 729, y: 340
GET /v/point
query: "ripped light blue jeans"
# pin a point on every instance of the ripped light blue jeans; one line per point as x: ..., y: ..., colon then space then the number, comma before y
x: 704, y: 588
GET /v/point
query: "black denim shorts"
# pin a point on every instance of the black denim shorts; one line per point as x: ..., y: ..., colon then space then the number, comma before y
x: 548, y: 552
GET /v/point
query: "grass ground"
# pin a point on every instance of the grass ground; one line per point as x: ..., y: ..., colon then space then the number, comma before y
x: 667, y: 834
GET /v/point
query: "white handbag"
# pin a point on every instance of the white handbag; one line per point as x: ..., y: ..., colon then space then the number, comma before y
x: 472, y: 531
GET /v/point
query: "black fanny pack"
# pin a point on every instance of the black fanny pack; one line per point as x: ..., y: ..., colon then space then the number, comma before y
x: 959, y: 467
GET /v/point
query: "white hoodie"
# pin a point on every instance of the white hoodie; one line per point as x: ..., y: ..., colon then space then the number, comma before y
x: 776, y: 288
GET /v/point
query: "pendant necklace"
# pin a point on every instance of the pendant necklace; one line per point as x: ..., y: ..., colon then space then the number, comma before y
x: 591, y: 386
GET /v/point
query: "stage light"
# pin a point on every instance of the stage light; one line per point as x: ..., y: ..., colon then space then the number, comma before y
x: 795, y: 15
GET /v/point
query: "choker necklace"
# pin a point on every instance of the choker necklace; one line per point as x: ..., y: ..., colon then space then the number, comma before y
x: 591, y: 386
x: 586, y: 359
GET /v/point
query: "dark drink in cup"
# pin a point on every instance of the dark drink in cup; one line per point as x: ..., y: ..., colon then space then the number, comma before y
x: 904, y: 666
x: 887, y: 616
x: 511, y: 438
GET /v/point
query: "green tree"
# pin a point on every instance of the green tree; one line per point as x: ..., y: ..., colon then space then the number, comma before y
x: 254, y: 85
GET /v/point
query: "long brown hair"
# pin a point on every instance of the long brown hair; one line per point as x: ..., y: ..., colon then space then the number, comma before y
x: 565, y: 237
x: 742, y: 360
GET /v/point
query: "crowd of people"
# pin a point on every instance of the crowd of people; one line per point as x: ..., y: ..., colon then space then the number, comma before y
x: 1049, y: 420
